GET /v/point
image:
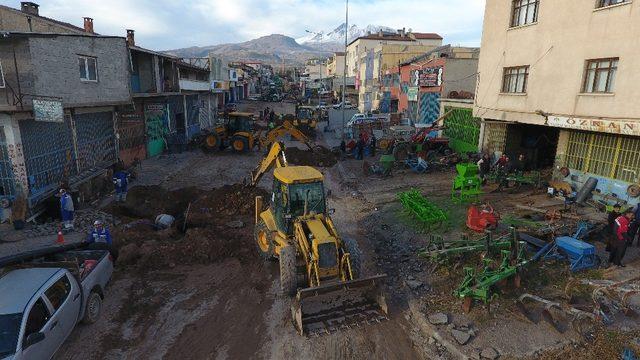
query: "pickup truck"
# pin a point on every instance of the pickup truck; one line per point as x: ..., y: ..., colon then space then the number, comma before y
x: 43, y: 300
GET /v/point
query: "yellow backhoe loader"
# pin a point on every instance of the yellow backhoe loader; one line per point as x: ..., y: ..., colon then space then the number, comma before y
x: 237, y: 132
x: 319, y: 268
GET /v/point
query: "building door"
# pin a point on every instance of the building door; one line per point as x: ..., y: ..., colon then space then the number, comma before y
x: 155, y: 116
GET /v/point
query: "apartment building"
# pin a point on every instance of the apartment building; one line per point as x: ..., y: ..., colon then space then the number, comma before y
x: 368, y: 56
x: 558, y: 83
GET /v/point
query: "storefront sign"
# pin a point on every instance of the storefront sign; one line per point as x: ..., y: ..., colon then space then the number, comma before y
x: 597, y: 125
x: 48, y: 110
x: 428, y: 77
x: 412, y: 93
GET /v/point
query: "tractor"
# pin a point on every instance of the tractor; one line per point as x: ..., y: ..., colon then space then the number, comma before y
x: 318, y: 267
x: 236, y: 131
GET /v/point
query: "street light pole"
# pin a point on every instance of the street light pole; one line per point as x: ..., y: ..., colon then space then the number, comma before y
x: 344, y: 70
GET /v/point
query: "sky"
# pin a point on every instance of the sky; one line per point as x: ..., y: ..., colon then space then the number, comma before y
x: 171, y: 24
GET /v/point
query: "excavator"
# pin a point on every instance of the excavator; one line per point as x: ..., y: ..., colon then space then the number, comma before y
x: 318, y: 268
x: 238, y: 133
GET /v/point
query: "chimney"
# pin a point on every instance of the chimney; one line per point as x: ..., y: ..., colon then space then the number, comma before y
x: 404, y: 32
x: 88, y: 25
x: 30, y: 8
x: 131, y: 37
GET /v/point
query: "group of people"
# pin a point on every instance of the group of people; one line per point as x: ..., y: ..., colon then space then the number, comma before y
x: 363, y: 140
x: 623, y: 228
x: 504, y: 164
x: 100, y: 234
x: 269, y: 116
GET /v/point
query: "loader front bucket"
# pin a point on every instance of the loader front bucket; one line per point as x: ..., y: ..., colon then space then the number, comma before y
x: 332, y: 307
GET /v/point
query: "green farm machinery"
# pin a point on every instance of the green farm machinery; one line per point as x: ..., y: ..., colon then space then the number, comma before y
x: 439, y: 250
x: 423, y: 210
x: 466, y: 185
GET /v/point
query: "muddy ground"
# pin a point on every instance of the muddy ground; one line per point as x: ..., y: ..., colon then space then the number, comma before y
x: 200, y: 291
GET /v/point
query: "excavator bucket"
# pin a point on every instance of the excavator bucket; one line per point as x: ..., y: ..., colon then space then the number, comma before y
x: 328, y: 308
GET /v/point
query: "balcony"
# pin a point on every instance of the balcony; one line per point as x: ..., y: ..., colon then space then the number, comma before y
x: 194, y: 85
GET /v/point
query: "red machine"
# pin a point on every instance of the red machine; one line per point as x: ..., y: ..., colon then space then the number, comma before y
x: 481, y: 218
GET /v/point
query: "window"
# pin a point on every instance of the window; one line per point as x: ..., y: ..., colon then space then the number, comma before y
x: 600, y: 75
x: 605, y: 3
x: 88, y: 68
x: 515, y: 79
x: 606, y: 155
x: 58, y: 292
x: 524, y: 12
x: 1, y: 77
x: 38, y: 317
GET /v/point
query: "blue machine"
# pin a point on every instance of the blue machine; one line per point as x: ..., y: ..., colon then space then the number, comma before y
x: 581, y: 255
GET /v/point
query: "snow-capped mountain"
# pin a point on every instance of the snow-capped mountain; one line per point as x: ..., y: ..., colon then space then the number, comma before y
x: 337, y: 35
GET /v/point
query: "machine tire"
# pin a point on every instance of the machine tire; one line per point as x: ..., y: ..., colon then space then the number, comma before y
x: 265, y: 248
x: 93, y: 308
x: 239, y: 143
x: 401, y: 151
x: 211, y: 142
x: 351, y: 246
x: 288, y: 278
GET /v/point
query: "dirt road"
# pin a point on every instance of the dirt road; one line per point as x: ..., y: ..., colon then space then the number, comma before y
x: 225, y: 305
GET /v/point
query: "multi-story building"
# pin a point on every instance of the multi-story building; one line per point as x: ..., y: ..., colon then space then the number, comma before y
x: 58, y: 99
x: 416, y: 86
x: 558, y: 83
x: 364, y: 64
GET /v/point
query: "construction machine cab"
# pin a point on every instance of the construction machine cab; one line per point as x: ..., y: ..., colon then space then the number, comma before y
x: 297, y: 191
x: 239, y: 122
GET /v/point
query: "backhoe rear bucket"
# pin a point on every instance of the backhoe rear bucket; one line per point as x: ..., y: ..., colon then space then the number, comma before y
x: 329, y: 308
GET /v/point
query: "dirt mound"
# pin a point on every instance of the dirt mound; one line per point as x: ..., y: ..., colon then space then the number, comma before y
x: 224, y: 204
x: 197, y: 246
x: 318, y: 157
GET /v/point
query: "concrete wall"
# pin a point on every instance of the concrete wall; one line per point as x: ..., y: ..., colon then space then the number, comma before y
x: 566, y: 34
x: 55, y: 69
x: 9, y: 93
x: 15, y: 20
x: 460, y: 75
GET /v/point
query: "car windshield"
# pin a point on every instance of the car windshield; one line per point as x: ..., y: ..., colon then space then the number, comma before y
x: 9, y: 330
x: 313, y: 193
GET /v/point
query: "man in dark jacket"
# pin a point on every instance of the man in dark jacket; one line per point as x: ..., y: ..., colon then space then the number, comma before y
x: 611, y: 222
x: 373, y: 145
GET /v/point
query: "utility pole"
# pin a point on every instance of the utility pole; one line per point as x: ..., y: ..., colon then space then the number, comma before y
x: 344, y: 71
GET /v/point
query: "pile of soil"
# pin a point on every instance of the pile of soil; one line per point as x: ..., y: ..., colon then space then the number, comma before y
x: 318, y: 157
x: 198, y: 246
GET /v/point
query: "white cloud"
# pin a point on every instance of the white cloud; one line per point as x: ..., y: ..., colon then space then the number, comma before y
x: 164, y: 24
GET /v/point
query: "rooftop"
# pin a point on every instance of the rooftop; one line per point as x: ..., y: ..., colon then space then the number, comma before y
x: 18, y: 287
x: 54, y: 21
x: 399, y: 37
x: 297, y: 174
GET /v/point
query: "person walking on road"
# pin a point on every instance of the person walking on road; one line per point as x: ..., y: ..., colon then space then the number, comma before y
x: 66, y: 210
x: 619, y: 246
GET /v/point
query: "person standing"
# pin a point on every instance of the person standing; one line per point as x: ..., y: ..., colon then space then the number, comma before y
x: 619, y: 246
x: 484, y: 166
x: 66, y: 210
x: 359, y: 148
x: 121, y: 182
x: 100, y: 234
x: 373, y: 144
x: 611, y: 225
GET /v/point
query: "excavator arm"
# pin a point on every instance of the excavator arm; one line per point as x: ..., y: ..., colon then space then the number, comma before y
x: 286, y: 128
x: 275, y: 157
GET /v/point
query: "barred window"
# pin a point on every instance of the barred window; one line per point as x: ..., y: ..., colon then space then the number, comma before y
x: 607, y: 155
x: 515, y: 79
x: 605, y: 3
x: 524, y: 12
x: 600, y: 75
